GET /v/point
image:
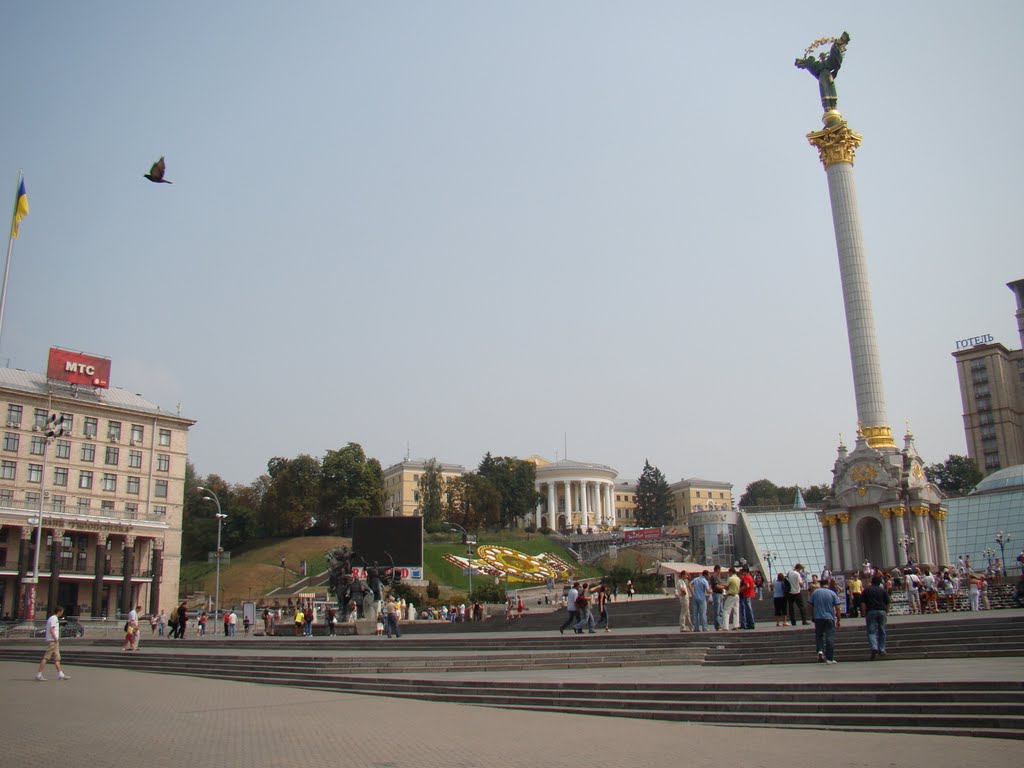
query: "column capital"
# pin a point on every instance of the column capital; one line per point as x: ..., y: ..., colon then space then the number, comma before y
x: 843, y: 517
x: 835, y: 144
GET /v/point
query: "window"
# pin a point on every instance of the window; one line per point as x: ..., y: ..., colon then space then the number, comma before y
x: 84, y: 504
x: 137, y: 434
x: 63, y: 449
x: 8, y: 469
x: 39, y: 418
x: 133, y: 485
x: 109, y: 482
x: 984, y: 403
x: 6, y: 497
x: 59, y: 503
x: 14, y: 414
x: 159, y: 510
x: 38, y: 445
x: 163, y: 462
x: 85, y: 479
x: 60, y: 476
x: 88, y: 452
x: 165, y: 437
x: 35, y: 473
x: 977, y: 365
x: 11, y: 441
x: 32, y: 499
x: 160, y: 491
x: 135, y: 459
x: 112, y: 456
x: 131, y: 509
x: 114, y: 431
x: 91, y: 427
x: 986, y: 418
x: 106, y: 506
x: 67, y: 421
x: 982, y: 390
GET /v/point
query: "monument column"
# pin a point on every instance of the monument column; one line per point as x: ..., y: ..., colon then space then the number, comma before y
x: 888, y: 542
x: 844, y: 532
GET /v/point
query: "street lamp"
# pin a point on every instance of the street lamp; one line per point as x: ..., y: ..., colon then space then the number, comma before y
x: 1002, y: 538
x: 216, y: 587
x: 469, y: 552
x: 53, y: 429
x: 283, y: 572
x: 767, y: 557
x: 906, y: 541
x: 988, y: 554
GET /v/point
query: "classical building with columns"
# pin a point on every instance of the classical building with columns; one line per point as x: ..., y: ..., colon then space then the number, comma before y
x: 109, y: 488
x: 575, y: 494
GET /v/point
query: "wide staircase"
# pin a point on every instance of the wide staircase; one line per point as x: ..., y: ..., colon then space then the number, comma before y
x: 415, y: 667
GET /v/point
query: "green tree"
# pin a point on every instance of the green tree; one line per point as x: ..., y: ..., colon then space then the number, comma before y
x: 292, y: 500
x: 515, y: 481
x: 351, y: 486
x: 476, y: 503
x: 431, y: 488
x: 653, y: 498
x: 956, y: 476
x: 816, y: 494
x: 761, y: 493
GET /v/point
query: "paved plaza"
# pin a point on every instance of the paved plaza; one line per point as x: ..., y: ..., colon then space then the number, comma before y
x: 104, y: 717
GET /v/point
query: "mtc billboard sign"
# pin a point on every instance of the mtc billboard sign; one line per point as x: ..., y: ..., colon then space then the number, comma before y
x: 78, y: 368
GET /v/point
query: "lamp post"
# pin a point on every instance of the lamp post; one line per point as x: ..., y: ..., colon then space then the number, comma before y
x: 906, y: 541
x: 1002, y: 539
x: 53, y: 429
x: 988, y: 554
x: 767, y: 557
x: 216, y: 587
x: 469, y: 551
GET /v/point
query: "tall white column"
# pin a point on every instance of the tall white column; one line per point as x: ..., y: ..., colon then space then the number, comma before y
x: 888, y: 543
x: 552, y: 506
x: 568, y: 503
x: 836, y: 145
x: 584, y: 505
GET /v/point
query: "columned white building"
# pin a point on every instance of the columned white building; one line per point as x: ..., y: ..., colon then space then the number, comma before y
x: 575, y: 494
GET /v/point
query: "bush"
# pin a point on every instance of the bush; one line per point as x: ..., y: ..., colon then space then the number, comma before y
x: 402, y: 590
x: 488, y: 592
x: 433, y: 591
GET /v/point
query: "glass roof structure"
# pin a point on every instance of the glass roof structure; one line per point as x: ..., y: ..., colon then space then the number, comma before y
x: 792, y: 536
x: 997, y: 504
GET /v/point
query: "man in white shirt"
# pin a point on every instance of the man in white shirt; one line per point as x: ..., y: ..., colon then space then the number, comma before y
x: 133, y: 619
x: 52, y: 646
x: 570, y: 607
x: 794, y: 595
x: 683, y: 594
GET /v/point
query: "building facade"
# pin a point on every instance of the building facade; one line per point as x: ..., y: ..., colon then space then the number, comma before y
x: 402, y: 485
x: 991, y: 381
x: 576, y: 495
x: 103, y: 498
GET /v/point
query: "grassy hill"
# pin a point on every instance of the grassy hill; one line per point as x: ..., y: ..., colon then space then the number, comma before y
x: 256, y: 570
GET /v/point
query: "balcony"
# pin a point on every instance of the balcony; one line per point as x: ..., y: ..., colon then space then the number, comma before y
x: 72, y: 511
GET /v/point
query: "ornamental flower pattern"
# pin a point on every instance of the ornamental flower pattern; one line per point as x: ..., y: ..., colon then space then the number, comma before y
x: 498, y: 561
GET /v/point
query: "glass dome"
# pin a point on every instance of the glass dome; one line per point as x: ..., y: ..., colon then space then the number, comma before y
x: 1010, y: 477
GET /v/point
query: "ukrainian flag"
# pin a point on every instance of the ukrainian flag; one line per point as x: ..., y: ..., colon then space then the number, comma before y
x: 20, y: 209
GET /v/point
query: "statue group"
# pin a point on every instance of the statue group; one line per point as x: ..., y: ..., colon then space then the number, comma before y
x: 825, y: 68
x: 355, y: 594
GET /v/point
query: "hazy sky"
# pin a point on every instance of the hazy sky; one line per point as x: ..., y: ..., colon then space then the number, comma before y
x: 476, y: 226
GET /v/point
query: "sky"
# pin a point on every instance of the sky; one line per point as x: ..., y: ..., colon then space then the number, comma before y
x: 591, y: 230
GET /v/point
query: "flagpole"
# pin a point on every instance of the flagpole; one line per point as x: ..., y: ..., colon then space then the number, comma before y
x: 10, y: 250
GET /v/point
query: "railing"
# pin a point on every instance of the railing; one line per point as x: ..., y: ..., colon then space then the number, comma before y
x: 69, y: 510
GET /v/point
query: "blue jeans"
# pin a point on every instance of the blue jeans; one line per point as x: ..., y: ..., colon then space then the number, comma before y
x: 746, y: 613
x: 718, y: 608
x: 876, y: 621
x: 825, y: 637
x: 391, y: 623
x: 699, y: 607
x: 571, y: 618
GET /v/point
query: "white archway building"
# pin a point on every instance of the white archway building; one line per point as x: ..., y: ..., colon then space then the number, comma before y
x: 575, y: 493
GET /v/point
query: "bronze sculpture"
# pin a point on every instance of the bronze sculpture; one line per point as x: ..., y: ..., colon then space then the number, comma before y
x: 825, y: 68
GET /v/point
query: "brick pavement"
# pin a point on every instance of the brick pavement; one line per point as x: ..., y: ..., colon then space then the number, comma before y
x: 106, y: 717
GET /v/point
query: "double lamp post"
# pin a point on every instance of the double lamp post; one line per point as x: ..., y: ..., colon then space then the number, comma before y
x: 216, y: 588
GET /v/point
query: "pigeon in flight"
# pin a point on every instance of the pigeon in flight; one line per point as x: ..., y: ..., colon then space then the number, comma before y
x: 156, y: 173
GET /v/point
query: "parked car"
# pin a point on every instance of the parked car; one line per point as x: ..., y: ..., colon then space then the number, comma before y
x: 68, y: 628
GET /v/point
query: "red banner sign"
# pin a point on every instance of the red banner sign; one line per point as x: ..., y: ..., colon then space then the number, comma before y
x: 78, y: 368
x: 642, y: 533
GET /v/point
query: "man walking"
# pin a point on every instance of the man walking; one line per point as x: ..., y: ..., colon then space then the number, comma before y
x: 876, y: 603
x: 699, y: 589
x: 570, y: 608
x: 683, y: 594
x: 794, y: 596
x: 52, y: 646
x: 133, y: 619
x: 827, y: 609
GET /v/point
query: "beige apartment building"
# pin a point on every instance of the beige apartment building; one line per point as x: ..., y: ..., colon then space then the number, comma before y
x: 402, y: 485
x: 991, y: 381
x: 110, y: 489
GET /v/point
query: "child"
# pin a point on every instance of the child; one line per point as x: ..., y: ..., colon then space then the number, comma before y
x: 129, y: 631
x: 380, y: 624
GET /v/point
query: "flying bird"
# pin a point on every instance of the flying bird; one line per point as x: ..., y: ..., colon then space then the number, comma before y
x: 156, y: 173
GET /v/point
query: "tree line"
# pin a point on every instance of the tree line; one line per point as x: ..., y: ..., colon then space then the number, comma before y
x: 310, y: 496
